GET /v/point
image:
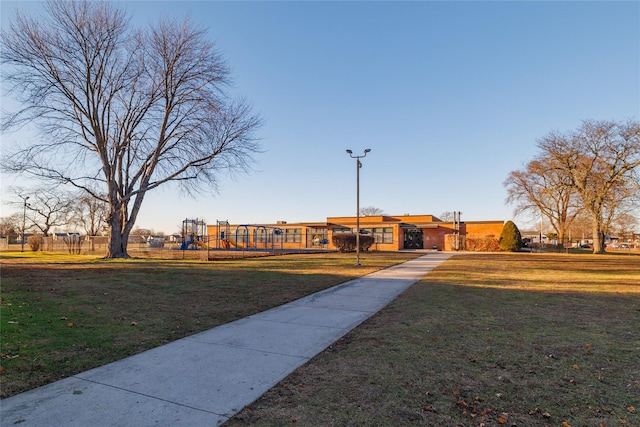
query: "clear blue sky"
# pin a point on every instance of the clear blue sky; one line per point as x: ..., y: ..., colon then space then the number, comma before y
x: 449, y: 96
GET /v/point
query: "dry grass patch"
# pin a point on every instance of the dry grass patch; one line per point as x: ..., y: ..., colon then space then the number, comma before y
x: 483, y: 340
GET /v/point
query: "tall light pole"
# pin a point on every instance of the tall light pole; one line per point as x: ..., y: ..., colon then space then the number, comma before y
x: 358, y: 166
x: 24, y: 220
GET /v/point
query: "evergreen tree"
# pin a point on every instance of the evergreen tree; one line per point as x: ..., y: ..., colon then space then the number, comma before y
x: 510, y: 239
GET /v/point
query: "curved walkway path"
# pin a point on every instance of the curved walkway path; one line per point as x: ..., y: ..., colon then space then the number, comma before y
x: 204, y: 379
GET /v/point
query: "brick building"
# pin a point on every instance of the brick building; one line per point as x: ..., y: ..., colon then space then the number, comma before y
x: 390, y: 232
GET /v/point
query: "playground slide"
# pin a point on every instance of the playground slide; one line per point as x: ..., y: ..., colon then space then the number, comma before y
x: 201, y: 244
x: 233, y: 242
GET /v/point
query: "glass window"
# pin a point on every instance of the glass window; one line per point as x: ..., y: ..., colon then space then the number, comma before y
x: 380, y: 235
x: 316, y: 237
x: 240, y: 235
x: 293, y: 235
x: 387, y: 235
x: 260, y: 235
x: 341, y: 230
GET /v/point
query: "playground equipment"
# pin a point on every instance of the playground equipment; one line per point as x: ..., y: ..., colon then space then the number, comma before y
x: 244, y: 237
x: 193, y: 234
x: 228, y: 242
x: 201, y: 244
x: 222, y: 235
x: 248, y: 237
x: 260, y: 238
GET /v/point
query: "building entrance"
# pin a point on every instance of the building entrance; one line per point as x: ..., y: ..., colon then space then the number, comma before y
x: 413, y: 239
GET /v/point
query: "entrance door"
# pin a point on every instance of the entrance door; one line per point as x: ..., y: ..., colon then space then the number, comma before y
x: 413, y: 239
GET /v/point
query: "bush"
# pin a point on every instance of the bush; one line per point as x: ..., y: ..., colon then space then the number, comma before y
x: 347, y: 242
x: 482, y: 244
x: 510, y: 239
x: 34, y: 243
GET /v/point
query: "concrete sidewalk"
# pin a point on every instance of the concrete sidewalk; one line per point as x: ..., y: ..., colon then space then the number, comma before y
x: 204, y: 379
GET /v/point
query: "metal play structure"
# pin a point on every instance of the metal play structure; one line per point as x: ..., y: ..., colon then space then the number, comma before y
x: 248, y: 237
x: 194, y: 232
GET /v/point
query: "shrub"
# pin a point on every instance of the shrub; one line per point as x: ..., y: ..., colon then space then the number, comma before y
x: 347, y: 242
x: 366, y: 242
x: 34, y: 243
x: 510, y: 239
x: 482, y: 244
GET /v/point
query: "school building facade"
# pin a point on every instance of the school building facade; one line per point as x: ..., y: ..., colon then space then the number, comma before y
x: 390, y: 232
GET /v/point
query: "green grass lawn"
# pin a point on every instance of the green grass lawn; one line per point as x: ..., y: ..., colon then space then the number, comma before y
x: 483, y: 340
x: 62, y: 314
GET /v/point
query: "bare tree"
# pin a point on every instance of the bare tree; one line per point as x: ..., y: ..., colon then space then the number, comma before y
x: 580, y: 227
x: 11, y: 226
x: 620, y: 209
x: 446, y: 216
x: 46, y: 208
x: 122, y: 109
x: 601, y: 158
x: 624, y: 226
x: 449, y: 216
x: 89, y: 213
x: 143, y: 232
x: 371, y: 211
x: 541, y: 188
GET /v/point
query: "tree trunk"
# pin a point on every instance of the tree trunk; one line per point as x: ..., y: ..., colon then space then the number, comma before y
x: 121, y: 222
x: 118, y: 234
x: 598, y: 237
x: 117, y: 244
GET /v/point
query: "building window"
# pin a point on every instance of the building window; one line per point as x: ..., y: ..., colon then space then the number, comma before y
x: 260, y: 235
x: 342, y: 230
x: 380, y: 235
x: 316, y: 237
x: 293, y: 235
x: 241, y: 235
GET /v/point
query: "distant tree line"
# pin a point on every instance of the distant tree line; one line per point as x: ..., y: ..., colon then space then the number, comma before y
x: 43, y: 210
x: 588, y: 174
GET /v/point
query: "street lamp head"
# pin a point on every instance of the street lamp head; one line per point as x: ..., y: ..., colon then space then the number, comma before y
x: 349, y: 151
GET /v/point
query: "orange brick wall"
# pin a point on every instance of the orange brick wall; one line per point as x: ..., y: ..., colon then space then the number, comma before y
x: 483, y: 228
x: 434, y: 237
x: 437, y: 236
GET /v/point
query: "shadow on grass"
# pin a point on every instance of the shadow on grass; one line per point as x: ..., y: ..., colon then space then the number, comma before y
x: 457, y: 353
x: 58, y: 320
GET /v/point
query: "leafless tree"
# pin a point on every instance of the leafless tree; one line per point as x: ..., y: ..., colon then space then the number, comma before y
x: 371, y: 211
x: 121, y: 109
x: 46, y: 208
x: 620, y: 209
x: 143, y: 232
x: 11, y: 226
x: 624, y: 226
x: 450, y: 216
x: 90, y: 213
x: 446, y: 216
x: 601, y: 159
x: 580, y: 228
x: 541, y: 188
